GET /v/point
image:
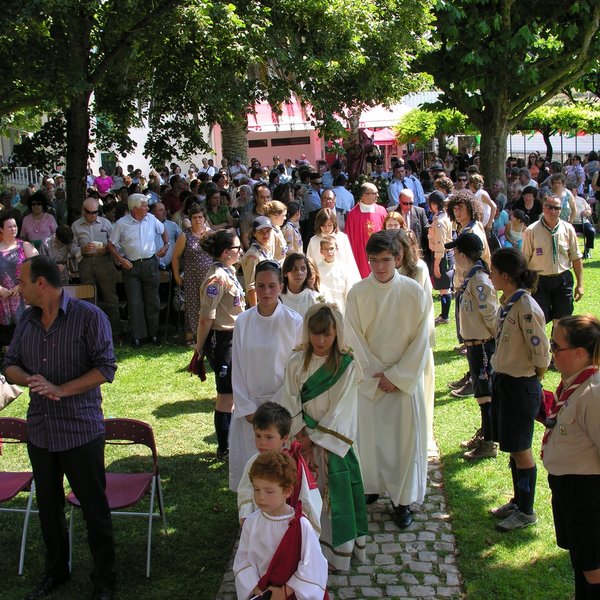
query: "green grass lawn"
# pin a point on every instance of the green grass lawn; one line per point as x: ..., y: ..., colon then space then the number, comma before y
x: 188, y: 561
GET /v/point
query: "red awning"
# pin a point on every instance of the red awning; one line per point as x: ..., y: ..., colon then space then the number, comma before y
x: 382, y: 137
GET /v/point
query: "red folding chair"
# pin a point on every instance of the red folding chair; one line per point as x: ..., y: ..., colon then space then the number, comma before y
x: 127, y: 489
x: 14, y: 431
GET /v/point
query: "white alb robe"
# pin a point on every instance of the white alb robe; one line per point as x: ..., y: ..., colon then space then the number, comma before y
x: 336, y: 412
x: 261, y: 535
x: 392, y: 428
x: 336, y: 281
x: 424, y: 280
x: 261, y: 348
x: 345, y: 254
x: 301, y: 302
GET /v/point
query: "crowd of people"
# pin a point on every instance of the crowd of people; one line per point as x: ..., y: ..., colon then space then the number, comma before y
x: 283, y: 268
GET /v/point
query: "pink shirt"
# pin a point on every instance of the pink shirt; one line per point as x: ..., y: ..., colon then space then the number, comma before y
x: 33, y: 230
x: 103, y: 184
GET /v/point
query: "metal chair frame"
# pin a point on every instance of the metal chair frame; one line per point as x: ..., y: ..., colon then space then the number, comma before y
x: 126, y: 432
x: 14, y: 431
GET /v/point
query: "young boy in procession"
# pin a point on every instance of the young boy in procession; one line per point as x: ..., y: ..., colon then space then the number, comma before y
x: 272, y: 424
x: 336, y: 278
x: 392, y: 428
x: 477, y: 309
x: 279, y: 550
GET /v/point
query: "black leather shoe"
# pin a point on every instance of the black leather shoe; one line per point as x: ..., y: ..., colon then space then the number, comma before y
x: 103, y: 593
x: 45, y: 587
x: 402, y: 516
x: 156, y: 341
x: 371, y: 498
x: 136, y: 343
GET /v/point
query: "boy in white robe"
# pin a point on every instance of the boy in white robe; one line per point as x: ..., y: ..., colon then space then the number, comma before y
x: 272, y: 423
x: 261, y: 563
x: 336, y: 277
x: 392, y: 430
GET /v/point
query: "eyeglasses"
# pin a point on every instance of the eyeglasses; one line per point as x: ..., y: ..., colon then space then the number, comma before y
x: 551, y: 207
x: 371, y: 194
x: 234, y: 248
x: 90, y: 212
x: 407, y: 203
x: 555, y: 348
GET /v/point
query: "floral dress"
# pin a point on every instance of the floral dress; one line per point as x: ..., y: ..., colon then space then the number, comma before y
x: 196, y: 265
x: 11, y: 260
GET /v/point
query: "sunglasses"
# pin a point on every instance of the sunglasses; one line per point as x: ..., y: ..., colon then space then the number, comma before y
x: 90, y: 212
x: 407, y: 203
x: 550, y: 207
x: 461, y: 179
x: 555, y: 348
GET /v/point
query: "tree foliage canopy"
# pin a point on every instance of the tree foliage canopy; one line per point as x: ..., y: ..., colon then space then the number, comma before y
x: 498, y: 60
x: 178, y: 64
x: 420, y: 126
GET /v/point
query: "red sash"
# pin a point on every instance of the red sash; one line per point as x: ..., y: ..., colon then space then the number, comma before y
x: 287, y: 556
x: 559, y: 398
x: 301, y: 467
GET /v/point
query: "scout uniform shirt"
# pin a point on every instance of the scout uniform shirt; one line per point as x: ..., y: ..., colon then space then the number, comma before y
x: 537, y: 248
x: 572, y: 448
x: 478, y: 308
x: 439, y: 233
x: 521, y: 345
x: 221, y: 298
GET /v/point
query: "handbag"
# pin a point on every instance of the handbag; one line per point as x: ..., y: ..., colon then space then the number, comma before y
x: 8, y: 392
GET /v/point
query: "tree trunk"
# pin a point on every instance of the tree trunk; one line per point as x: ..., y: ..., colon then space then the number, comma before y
x: 442, y: 146
x: 549, y: 149
x: 78, y: 139
x: 494, y: 133
x: 234, y: 140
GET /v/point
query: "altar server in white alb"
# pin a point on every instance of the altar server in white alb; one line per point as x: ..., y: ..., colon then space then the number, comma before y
x: 392, y: 431
x: 262, y: 343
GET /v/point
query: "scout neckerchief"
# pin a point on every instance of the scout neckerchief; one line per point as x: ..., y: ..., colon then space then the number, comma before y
x: 467, y: 228
x: 478, y: 266
x: 346, y: 491
x: 505, y: 310
x: 554, y: 235
x: 265, y: 255
x: 232, y: 278
x: 561, y: 396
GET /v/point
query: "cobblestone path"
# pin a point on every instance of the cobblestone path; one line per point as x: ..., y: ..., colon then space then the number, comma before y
x: 418, y: 562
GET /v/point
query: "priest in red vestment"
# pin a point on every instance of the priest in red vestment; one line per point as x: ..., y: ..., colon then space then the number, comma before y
x: 365, y: 219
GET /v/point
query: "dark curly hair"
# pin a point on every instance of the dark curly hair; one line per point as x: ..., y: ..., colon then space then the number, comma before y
x: 471, y: 202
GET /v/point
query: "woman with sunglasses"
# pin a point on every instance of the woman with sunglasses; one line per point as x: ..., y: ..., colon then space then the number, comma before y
x: 264, y: 335
x: 519, y: 362
x: 261, y: 248
x: 571, y: 448
x: 221, y: 302
x: 38, y: 224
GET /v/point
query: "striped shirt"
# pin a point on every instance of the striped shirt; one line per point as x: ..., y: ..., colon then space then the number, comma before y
x: 78, y: 341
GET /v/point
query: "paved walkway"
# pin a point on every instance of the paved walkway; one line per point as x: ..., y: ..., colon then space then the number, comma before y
x: 418, y: 562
